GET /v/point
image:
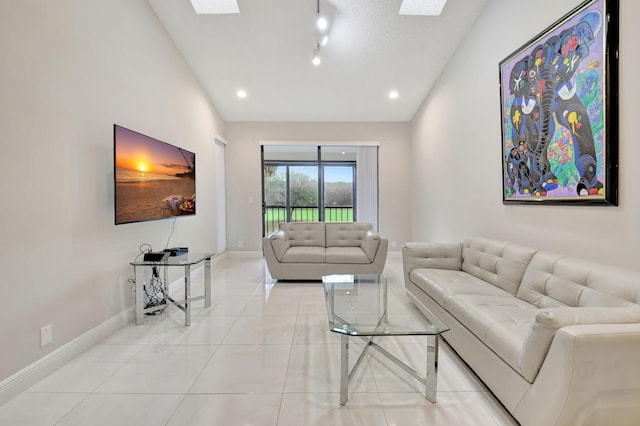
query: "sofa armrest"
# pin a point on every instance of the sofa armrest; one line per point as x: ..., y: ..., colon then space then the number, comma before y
x: 591, y: 375
x: 280, y: 243
x: 370, y: 244
x: 554, y: 318
x: 431, y: 255
x: 548, y: 321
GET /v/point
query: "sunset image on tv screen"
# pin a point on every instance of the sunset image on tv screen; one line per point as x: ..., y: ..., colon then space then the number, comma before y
x: 153, y: 179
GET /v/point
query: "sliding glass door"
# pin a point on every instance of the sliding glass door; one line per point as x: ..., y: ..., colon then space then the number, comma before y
x: 299, y: 185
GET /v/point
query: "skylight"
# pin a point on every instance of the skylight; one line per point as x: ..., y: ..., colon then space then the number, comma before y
x: 422, y: 7
x: 209, y: 7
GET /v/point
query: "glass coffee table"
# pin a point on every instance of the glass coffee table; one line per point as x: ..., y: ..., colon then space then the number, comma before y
x: 357, y: 307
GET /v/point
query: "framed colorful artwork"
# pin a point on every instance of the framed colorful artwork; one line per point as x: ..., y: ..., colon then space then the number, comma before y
x: 559, y: 110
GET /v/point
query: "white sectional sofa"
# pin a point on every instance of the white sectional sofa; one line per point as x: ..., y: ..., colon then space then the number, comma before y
x: 555, y: 338
x: 309, y: 250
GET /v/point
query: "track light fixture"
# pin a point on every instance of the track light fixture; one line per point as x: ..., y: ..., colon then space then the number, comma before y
x: 321, y: 32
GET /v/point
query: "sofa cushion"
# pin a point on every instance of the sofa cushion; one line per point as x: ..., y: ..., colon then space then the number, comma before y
x: 480, y: 313
x: 493, y: 315
x: 305, y: 233
x: 346, y: 234
x: 440, y: 284
x: 304, y: 254
x: 496, y: 262
x: 501, y: 323
x: 553, y: 280
x: 346, y: 255
x: 280, y: 243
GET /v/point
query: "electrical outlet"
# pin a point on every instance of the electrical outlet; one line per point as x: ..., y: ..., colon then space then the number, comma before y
x: 46, y: 335
x: 240, y: 244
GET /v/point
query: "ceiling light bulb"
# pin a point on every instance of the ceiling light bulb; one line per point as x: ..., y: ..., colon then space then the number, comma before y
x: 393, y: 94
x: 324, y: 40
x: 322, y: 23
x: 316, y: 60
x: 241, y: 94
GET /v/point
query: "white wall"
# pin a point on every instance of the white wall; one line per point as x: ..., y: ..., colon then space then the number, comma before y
x: 456, y: 147
x: 70, y: 70
x: 244, y: 169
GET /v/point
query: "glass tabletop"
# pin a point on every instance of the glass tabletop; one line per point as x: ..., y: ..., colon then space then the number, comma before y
x: 190, y: 258
x: 357, y: 306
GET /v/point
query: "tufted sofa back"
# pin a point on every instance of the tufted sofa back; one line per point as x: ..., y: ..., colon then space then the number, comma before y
x: 305, y: 233
x: 554, y: 280
x: 347, y: 234
x: 497, y: 262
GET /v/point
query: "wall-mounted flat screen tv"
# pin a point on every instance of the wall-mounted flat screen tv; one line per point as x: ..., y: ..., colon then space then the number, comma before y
x: 153, y: 179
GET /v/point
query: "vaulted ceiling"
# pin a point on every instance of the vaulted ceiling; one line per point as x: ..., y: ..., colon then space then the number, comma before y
x: 266, y: 50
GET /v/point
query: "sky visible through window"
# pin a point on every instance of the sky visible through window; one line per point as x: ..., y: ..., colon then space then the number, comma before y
x: 331, y: 173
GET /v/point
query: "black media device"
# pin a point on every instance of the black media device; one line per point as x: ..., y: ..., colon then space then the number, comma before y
x: 177, y: 251
x: 158, y: 256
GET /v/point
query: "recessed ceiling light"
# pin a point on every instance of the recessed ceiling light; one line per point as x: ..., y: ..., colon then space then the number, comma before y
x: 241, y: 94
x: 209, y: 7
x: 422, y: 7
x: 393, y: 94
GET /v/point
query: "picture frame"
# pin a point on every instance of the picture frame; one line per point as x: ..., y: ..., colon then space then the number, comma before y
x: 559, y: 111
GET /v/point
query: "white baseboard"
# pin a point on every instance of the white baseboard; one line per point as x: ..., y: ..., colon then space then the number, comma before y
x: 19, y: 382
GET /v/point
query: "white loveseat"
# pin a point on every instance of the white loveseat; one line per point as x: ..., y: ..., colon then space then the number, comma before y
x: 555, y: 338
x: 309, y: 250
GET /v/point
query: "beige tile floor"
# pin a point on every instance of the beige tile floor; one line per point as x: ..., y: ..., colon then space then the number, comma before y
x: 260, y: 355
